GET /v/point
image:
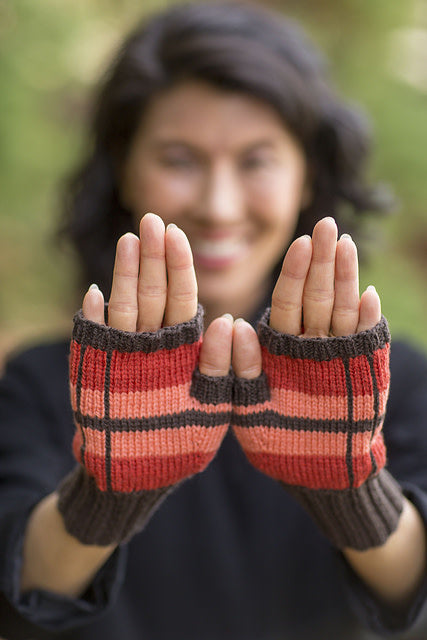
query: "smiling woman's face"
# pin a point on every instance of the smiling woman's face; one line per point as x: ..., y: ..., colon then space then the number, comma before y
x: 221, y: 166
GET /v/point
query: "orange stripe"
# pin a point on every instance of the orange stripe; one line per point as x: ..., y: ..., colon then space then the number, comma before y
x: 363, y: 407
x: 94, y: 442
x: 167, y: 442
x: 300, y: 405
x: 91, y: 402
x: 290, y: 442
x: 152, y: 403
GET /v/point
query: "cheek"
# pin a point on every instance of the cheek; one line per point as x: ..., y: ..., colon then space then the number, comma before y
x: 277, y: 201
x: 165, y: 195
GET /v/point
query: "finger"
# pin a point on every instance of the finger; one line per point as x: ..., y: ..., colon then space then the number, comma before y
x: 246, y: 358
x: 345, y: 314
x: 215, y: 354
x: 181, y: 303
x: 286, y: 301
x: 93, y: 305
x: 318, y: 297
x: 370, y: 309
x: 123, y: 306
x: 152, y: 285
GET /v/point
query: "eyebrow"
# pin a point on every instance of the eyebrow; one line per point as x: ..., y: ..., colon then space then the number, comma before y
x: 177, y: 142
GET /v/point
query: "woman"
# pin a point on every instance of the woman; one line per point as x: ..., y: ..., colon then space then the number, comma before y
x: 218, y: 118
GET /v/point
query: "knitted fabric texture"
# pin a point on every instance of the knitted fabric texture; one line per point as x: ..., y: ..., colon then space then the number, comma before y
x: 313, y: 421
x: 145, y: 418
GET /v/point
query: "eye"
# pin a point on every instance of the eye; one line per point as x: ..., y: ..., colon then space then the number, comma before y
x: 180, y: 159
x: 178, y: 162
x: 256, y: 161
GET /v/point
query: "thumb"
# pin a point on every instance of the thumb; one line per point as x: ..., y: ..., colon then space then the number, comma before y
x: 215, y: 353
x: 247, y: 360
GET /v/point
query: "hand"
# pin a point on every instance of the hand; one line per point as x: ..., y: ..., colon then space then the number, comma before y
x: 151, y: 400
x: 154, y: 285
x: 316, y: 294
x: 313, y: 418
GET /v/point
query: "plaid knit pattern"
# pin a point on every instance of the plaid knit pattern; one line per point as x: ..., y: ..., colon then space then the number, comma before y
x: 313, y: 421
x: 145, y: 418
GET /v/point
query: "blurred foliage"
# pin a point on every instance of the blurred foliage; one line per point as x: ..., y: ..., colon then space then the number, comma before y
x: 51, y: 54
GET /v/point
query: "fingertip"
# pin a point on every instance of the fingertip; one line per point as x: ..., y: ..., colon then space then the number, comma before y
x: 128, y: 244
x: 152, y: 218
x: 93, y: 305
x: 303, y: 241
x: 327, y: 221
x: 177, y: 244
x: 370, y: 309
x: 173, y: 231
x: 215, y: 354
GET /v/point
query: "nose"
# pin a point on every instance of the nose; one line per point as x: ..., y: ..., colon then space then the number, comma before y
x: 222, y: 196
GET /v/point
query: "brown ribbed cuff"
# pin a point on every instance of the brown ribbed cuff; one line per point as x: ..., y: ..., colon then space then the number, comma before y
x: 322, y: 349
x: 250, y: 391
x: 103, y: 337
x: 211, y: 389
x: 104, y: 517
x: 358, y: 518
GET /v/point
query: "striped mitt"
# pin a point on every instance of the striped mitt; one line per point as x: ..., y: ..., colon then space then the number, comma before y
x: 313, y: 421
x: 145, y: 418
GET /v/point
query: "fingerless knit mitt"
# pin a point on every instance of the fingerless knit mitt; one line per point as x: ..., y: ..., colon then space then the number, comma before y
x: 145, y: 418
x: 313, y: 421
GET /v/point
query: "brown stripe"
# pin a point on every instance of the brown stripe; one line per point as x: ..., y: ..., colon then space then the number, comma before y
x: 274, y: 419
x: 376, y: 409
x: 170, y: 421
x: 350, y: 423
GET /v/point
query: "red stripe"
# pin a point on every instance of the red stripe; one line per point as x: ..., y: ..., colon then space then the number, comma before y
x: 360, y: 373
x: 313, y: 472
x: 306, y: 376
x: 145, y: 371
x: 74, y: 361
x: 95, y: 466
x: 93, y: 371
x: 137, y: 474
x: 381, y: 367
x: 77, y: 443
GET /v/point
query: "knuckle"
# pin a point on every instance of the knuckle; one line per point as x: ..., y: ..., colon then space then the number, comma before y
x: 284, y: 304
x: 182, y: 297
x: 319, y: 295
x: 124, y: 308
x: 152, y: 291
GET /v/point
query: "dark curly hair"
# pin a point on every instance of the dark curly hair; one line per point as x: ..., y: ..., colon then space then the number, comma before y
x: 233, y: 46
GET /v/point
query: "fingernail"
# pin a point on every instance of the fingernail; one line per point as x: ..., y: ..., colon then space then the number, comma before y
x: 239, y: 321
x: 171, y: 225
x: 93, y: 286
x: 371, y: 288
x: 228, y: 317
x: 346, y: 236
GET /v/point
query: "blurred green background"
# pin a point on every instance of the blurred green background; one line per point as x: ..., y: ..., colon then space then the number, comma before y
x: 52, y: 52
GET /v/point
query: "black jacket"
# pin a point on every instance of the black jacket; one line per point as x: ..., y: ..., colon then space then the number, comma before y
x: 229, y: 555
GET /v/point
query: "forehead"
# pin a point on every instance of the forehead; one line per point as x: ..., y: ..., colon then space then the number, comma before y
x: 201, y: 114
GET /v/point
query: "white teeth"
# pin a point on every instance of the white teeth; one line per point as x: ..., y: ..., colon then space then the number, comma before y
x: 217, y: 248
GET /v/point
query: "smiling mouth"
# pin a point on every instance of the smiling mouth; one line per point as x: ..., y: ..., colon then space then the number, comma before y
x: 214, y: 254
